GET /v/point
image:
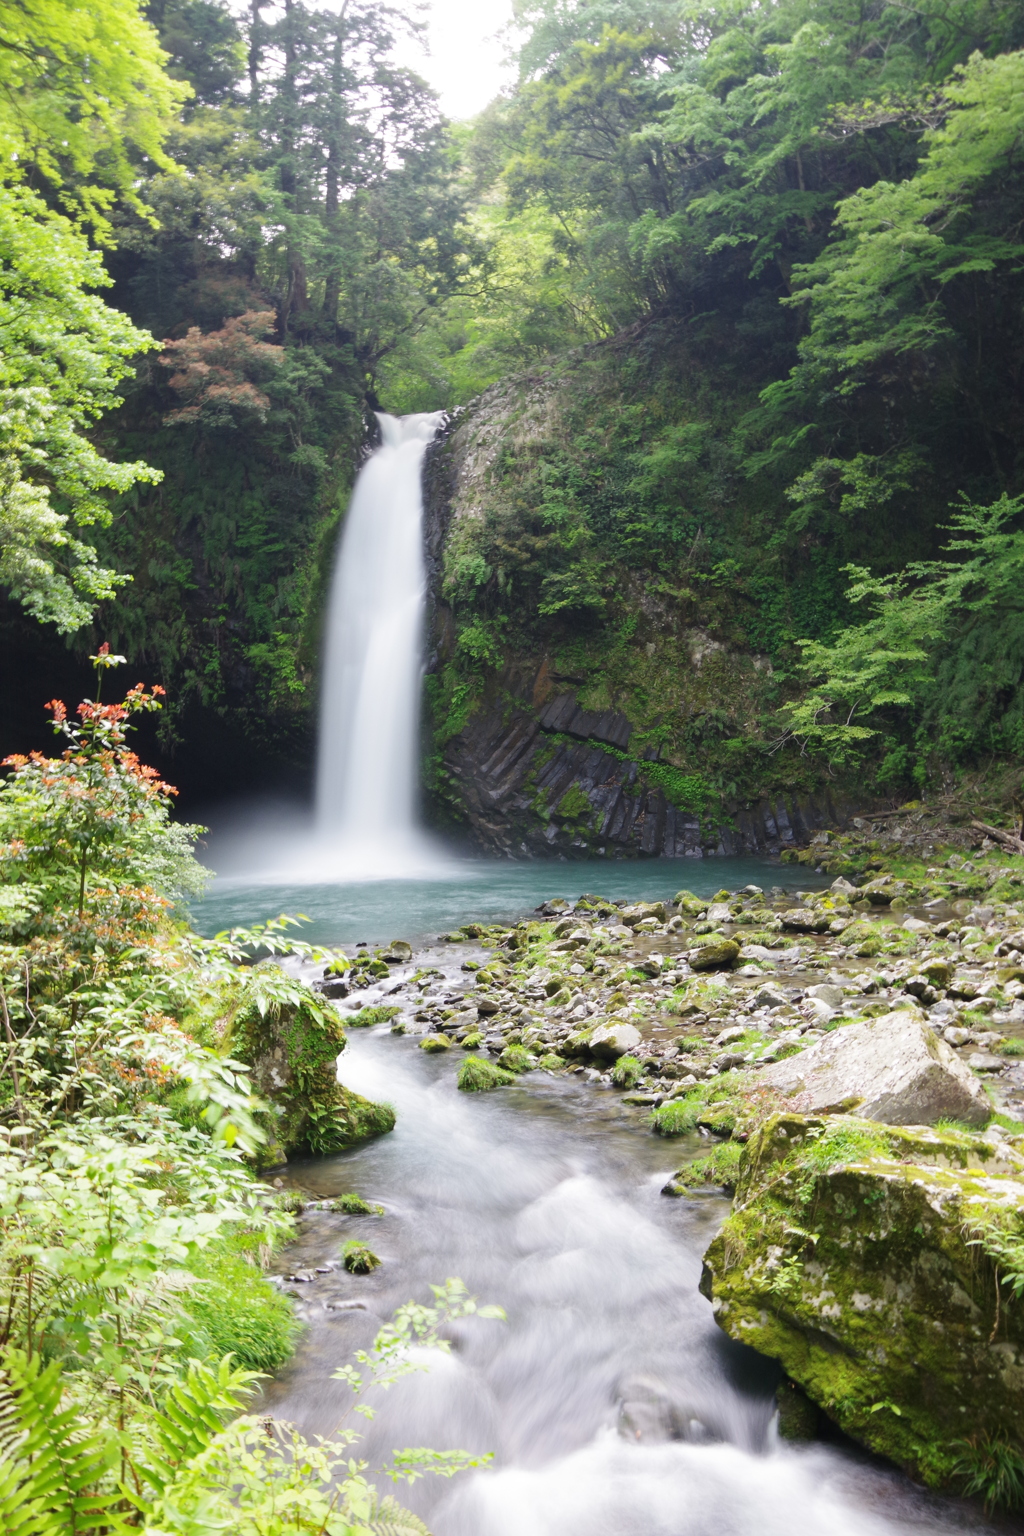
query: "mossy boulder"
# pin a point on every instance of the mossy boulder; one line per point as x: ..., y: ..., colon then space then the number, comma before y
x: 872, y: 1261
x: 435, y: 1043
x: 719, y: 955
x: 516, y: 1058
x: 351, y: 1204
x: 476, y: 1075
x: 290, y: 1037
x: 358, y: 1259
x: 362, y: 1018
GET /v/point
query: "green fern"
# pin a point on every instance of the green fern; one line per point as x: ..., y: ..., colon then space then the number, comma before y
x: 51, y: 1474
x: 388, y: 1518
x: 193, y: 1412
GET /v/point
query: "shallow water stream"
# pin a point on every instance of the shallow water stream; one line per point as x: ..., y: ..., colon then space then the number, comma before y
x: 611, y: 1402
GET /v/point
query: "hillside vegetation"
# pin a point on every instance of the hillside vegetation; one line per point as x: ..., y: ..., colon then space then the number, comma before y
x: 761, y: 264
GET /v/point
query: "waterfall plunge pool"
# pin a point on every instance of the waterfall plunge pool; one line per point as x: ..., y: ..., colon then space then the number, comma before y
x: 457, y: 891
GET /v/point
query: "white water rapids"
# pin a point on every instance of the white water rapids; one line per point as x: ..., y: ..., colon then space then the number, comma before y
x: 367, y: 768
x: 612, y: 1403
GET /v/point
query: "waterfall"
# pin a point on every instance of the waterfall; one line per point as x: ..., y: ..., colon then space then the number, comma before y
x: 367, y: 767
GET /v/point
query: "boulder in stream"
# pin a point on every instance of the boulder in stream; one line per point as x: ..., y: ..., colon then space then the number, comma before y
x: 290, y: 1037
x: 718, y: 955
x: 476, y: 1075
x: 892, y: 1068
x: 610, y: 1041
x: 877, y: 1265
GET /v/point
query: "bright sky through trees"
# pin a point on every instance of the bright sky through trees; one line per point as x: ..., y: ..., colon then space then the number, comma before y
x: 465, y: 62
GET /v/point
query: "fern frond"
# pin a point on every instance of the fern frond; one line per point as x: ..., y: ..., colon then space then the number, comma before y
x: 388, y: 1518
x: 194, y: 1410
x: 54, y: 1469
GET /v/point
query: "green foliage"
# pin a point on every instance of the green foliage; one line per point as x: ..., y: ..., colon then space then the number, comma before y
x: 920, y: 653
x: 92, y: 829
x: 65, y: 353
x: 194, y: 1466
x: 232, y: 1310
x: 992, y: 1469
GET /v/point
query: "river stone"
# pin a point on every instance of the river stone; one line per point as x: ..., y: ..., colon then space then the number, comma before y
x: 431, y: 1043
x: 718, y: 912
x: 614, y: 1040
x: 650, y: 965
x: 770, y: 997
x: 803, y: 920
x: 719, y: 956
x: 892, y: 1068
x: 831, y: 996
x: 956, y: 1035
x: 861, y: 1277
x: 983, y: 1061
x: 397, y: 952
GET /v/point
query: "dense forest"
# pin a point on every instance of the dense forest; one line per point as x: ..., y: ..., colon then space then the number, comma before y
x: 733, y: 296
x: 767, y: 259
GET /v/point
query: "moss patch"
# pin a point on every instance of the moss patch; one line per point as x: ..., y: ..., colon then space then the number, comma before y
x: 477, y: 1075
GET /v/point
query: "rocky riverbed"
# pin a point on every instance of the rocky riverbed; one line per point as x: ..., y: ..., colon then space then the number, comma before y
x: 815, y: 1022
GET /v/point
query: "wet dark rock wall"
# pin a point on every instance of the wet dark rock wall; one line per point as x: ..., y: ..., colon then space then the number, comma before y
x: 527, y: 791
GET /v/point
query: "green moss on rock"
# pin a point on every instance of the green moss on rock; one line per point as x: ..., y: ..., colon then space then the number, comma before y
x: 516, y: 1058
x: 352, y: 1204
x: 291, y: 1037
x: 358, y: 1259
x: 477, y: 1075
x: 363, y: 1017
x: 861, y: 1257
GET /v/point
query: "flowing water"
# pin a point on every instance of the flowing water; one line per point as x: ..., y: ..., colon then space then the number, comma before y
x: 369, y: 726
x: 611, y: 1402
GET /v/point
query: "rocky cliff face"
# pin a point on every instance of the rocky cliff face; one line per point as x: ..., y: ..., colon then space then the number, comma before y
x: 528, y: 753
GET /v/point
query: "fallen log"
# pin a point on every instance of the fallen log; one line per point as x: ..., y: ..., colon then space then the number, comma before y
x: 1006, y: 838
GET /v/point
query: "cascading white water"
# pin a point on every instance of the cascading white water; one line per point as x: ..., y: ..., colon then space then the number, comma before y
x: 369, y: 709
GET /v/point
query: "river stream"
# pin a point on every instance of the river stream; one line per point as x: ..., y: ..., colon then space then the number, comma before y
x: 612, y: 1403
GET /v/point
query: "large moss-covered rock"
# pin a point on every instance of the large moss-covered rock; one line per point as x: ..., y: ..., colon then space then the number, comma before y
x: 290, y: 1037
x: 863, y: 1258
